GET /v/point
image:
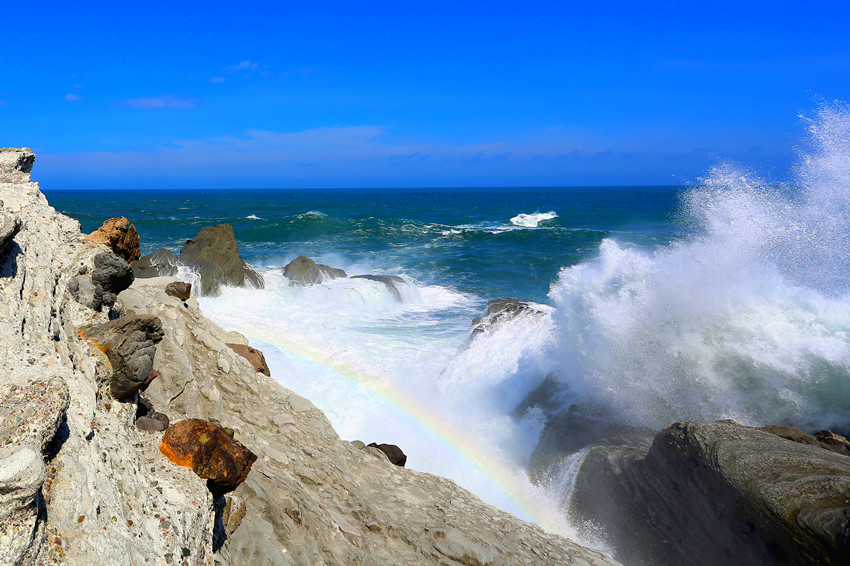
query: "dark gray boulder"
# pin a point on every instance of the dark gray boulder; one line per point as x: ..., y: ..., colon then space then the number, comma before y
x: 392, y: 282
x: 160, y: 263
x: 304, y: 271
x: 130, y: 344
x: 110, y: 276
x: 214, y: 255
x: 716, y: 494
x: 393, y: 452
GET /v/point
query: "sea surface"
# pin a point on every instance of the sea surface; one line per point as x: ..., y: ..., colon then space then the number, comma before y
x: 729, y: 299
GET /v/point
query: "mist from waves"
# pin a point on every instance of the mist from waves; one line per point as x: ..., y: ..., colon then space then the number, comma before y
x: 343, y: 342
x: 747, y: 319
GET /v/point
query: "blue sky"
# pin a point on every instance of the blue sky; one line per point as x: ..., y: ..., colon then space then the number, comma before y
x: 384, y: 94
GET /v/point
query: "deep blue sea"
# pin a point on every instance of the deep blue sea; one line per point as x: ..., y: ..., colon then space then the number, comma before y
x: 462, y: 238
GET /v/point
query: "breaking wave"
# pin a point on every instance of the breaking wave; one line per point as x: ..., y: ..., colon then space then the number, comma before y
x: 533, y: 220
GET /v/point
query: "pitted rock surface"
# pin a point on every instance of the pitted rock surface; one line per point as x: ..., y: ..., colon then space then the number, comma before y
x: 118, y: 235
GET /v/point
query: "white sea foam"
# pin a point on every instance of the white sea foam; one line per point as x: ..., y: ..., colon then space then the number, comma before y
x: 749, y: 319
x: 534, y: 219
x: 254, y: 217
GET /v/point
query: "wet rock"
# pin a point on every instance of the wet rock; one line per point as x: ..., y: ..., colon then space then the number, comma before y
x: 392, y: 282
x: 252, y: 355
x: 718, y: 493
x: 393, y: 453
x: 211, y: 453
x: 130, y: 344
x: 16, y: 164
x: 304, y: 271
x: 179, y: 289
x: 120, y: 236
x: 214, y: 254
x: 159, y: 263
x: 499, y: 310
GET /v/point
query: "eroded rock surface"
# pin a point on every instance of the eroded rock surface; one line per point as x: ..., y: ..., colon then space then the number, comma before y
x: 719, y: 493
x: 214, y: 255
x: 16, y: 164
x: 118, y: 235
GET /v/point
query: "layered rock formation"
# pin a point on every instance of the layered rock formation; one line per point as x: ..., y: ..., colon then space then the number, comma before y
x: 118, y: 235
x: 85, y: 485
x: 719, y: 493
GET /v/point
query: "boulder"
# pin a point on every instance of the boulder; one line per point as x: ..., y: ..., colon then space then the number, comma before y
x: 9, y: 227
x: 16, y: 164
x: 214, y: 254
x: 130, y: 344
x: 120, y: 236
x: 150, y: 424
x: 110, y: 276
x: 718, y: 493
x: 211, y: 453
x: 160, y: 263
x: 179, y: 289
x: 393, y: 452
x: 392, y: 282
x: 252, y: 355
x: 304, y: 271
x: 500, y: 310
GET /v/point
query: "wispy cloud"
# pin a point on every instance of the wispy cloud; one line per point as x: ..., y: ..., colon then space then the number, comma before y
x: 161, y: 102
x: 72, y: 97
x: 218, y: 80
x: 242, y: 66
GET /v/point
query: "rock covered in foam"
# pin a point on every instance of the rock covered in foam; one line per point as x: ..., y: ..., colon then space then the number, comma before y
x: 118, y: 235
x: 304, y: 271
x: 160, y: 263
x: 214, y: 255
x: 501, y: 310
x: 392, y: 282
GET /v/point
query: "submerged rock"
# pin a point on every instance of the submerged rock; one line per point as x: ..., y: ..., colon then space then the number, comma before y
x: 214, y: 255
x: 256, y: 357
x: 120, y: 236
x: 130, y: 344
x: 160, y: 263
x: 716, y: 494
x: 392, y: 282
x: 304, y: 271
x: 500, y: 310
x: 211, y: 453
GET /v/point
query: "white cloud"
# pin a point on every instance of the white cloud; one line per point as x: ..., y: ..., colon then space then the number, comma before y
x: 218, y: 80
x: 242, y: 66
x: 165, y: 101
x: 72, y: 97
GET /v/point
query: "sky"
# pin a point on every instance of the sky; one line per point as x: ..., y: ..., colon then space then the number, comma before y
x: 414, y: 94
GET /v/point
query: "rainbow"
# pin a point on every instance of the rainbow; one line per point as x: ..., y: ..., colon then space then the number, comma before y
x: 500, y: 476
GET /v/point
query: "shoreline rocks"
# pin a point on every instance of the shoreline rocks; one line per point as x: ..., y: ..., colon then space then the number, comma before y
x: 214, y: 255
x: 304, y: 271
x: 159, y: 263
x: 118, y: 235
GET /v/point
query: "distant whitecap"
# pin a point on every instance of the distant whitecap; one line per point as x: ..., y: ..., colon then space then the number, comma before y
x: 534, y: 219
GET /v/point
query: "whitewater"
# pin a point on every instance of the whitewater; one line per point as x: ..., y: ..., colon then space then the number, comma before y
x: 727, y: 299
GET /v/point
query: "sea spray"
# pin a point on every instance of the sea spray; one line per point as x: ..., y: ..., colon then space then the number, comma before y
x: 748, y: 319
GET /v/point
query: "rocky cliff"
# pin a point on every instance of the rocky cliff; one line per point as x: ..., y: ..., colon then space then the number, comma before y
x: 81, y: 483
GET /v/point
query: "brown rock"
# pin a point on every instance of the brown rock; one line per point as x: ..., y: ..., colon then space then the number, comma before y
x: 120, y: 235
x: 393, y: 452
x: 833, y: 441
x: 179, y: 289
x: 206, y: 448
x: 254, y: 356
x: 150, y: 424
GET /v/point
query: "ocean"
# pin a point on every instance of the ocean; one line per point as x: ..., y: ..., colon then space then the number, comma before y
x: 726, y: 299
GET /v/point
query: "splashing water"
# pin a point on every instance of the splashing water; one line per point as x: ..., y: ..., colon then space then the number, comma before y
x: 749, y: 319
x: 533, y: 220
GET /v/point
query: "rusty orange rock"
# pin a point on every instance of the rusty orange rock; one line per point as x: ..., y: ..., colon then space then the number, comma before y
x: 211, y: 453
x: 120, y: 236
x: 253, y: 355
